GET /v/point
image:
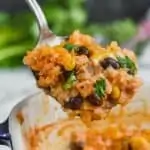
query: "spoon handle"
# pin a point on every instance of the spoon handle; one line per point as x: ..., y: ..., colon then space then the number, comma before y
x: 42, y: 23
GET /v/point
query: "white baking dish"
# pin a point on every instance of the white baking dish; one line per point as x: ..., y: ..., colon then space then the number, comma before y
x: 39, y: 110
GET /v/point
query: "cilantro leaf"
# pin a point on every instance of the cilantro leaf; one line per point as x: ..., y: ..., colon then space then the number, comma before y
x: 69, y: 46
x: 127, y: 63
x: 70, y: 81
x: 100, y: 87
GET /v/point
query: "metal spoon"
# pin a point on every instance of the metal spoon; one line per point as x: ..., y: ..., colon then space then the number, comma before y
x: 46, y: 36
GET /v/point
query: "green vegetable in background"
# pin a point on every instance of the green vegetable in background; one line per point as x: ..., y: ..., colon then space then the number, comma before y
x: 65, y: 16
x: 120, y: 30
x: 16, y: 38
x: 19, y: 32
x: 4, y: 17
x: 10, y: 36
x: 100, y: 87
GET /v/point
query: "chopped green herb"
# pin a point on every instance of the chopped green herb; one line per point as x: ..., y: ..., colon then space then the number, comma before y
x: 128, y: 64
x: 70, y: 81
x: 100, y: 87
x: 69, y: 46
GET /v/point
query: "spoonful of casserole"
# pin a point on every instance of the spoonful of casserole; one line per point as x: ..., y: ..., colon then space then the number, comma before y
x: 86, y: 78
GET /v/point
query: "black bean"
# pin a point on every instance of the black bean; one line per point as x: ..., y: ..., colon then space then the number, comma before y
x: 66, y: 74
x: 131, y: 72
x: 94, y: 99
x: 82, y: 50
x: 110, y: 62
x: 74, y: 103
x: 77, y: 146
x: 66, y: 38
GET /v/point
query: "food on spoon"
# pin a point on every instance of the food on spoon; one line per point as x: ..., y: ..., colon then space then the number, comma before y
x: 86, y: 78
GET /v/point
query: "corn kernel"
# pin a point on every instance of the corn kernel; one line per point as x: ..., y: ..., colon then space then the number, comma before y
x: 115, y: 94
x: 86, y: 116
x: 139, y: 143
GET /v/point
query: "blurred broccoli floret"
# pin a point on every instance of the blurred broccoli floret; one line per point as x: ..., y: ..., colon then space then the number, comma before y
x: 120, y: 30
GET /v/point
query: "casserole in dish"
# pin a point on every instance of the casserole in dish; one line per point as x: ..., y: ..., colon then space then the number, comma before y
x: 38, y: 113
